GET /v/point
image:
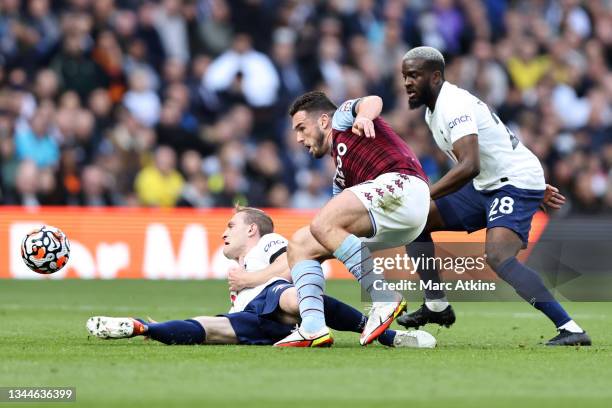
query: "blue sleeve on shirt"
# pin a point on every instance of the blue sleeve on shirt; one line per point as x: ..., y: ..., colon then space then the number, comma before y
x: 336, y: 189
x: 345, y: 115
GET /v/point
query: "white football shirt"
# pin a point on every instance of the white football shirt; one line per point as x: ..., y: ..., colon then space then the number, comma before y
x: 268, y: 248
x: 503, y: 158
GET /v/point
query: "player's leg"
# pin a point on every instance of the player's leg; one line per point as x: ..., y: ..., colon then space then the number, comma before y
x: 509, y: 220
x: 218, y: 330
x: 305, y: 254
x: 343, y: 317
x: 503, y: 244
x: 190, y: 331
x: 435, y: 308
x: 385, y: 213
x: 423, y: 247
x: 464, y: 210
x: 338, y: 227
x: 338, y: 315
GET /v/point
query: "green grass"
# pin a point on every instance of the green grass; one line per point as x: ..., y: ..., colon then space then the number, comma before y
x: 492, y: 357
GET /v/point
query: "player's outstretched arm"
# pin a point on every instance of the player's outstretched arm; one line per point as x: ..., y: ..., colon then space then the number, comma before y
x: 368, y: 109
x: 468, y: 166
x: 239, y: 279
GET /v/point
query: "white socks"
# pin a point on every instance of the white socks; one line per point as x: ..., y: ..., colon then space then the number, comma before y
x: 571, y: 326
x: 436, y: 305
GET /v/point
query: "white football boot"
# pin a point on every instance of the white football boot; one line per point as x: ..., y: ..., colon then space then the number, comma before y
x: 414, y: 339
x: 113, y: 327
x: 380, y: 318
x: 299, y: 338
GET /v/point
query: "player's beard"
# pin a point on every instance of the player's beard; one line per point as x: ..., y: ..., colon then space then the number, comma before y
x: 318, y: 150
x: 415, y: 102
x: 423, y: 95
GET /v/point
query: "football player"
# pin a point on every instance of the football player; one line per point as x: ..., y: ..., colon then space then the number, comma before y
x: 497, y: 183
x: 381, y: 199
x: 260, y: 315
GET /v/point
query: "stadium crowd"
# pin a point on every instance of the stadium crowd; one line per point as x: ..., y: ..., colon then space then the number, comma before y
x: 184, y: 103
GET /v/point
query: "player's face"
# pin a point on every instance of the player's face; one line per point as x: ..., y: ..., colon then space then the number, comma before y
x: 417, y: 82
x: 310, y: 133
x: 235, y: 236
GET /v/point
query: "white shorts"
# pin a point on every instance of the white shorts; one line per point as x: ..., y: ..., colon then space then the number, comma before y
x: 398, y: 205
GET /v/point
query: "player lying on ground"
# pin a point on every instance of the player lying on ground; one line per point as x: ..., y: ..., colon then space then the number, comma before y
x: 496, y: 183
x: 259, y: 315
x: 381, y: 198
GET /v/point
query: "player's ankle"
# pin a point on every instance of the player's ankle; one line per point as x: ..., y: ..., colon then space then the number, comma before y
x: 571, y: 326
x: 139, y: 328
x: 437, y: 305
x: 312, y: 324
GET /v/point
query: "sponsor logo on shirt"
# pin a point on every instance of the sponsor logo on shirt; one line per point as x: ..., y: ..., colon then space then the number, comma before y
x: 460, y: 119
x: 339, y: 177
x: 273, y: 243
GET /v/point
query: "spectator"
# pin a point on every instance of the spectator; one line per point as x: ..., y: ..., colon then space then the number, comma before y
x: 244, y: 71
x: 159, y: 184
x: 527, y: 68
x: 89, y: 91
x: 313, y: 193
x: 35, y: 142
x: 96, y: 188
x: 214, y: 27
x: 46, y: 85
x: 108, y: 55
x: 172, y: 29
x: 195, y: 193
x: 75, y: 68
x: 8, y: 159
x: 26, y: 185
x: 44, y: 28
x: 149, y: 34
x: 136, y: 59
x: 141, y: 100
x: 289, y: 73
x: 101, y: 105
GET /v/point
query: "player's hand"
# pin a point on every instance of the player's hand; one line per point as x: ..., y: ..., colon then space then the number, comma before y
x: 363, y: 126
x: 552, y: 198
x: 237, y: 278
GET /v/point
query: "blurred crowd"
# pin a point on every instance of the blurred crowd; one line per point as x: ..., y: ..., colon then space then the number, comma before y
x: 184, y: 103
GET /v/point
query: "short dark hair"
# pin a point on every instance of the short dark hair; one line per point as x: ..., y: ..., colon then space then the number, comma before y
x: 314, y: 101
x: 258, y: 217
x: 433, y: 60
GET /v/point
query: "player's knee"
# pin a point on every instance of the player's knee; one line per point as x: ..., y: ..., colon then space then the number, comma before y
x: 495, y: 258
x: 319, y: 228
x: 288, y: 302
x: 293, y: 252
x: 297, y: 246
x: 299, y: 238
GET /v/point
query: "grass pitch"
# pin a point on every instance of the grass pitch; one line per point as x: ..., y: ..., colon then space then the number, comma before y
x: 492, y: 357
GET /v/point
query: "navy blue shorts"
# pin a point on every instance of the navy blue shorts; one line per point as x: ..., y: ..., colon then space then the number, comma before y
x: 470, y: 210
x: 255, y: 325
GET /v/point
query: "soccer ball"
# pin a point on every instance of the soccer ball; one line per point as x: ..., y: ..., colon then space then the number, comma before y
x: 45, y: 250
